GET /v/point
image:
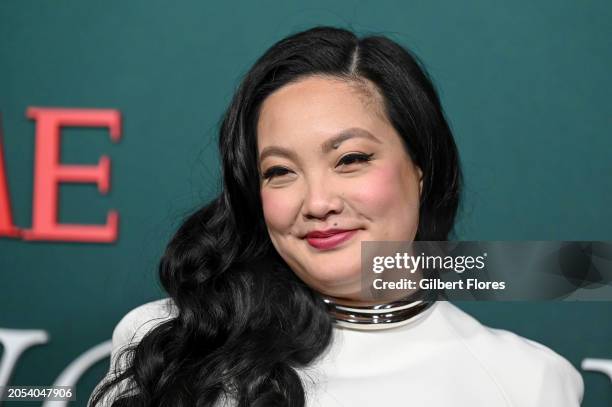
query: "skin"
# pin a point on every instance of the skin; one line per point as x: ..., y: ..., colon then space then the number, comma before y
x: 316, y: 188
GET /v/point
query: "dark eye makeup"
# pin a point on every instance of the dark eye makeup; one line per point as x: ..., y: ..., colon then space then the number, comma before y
x: 275, y: 171
x: 345, y: 160
x: 354, y: 157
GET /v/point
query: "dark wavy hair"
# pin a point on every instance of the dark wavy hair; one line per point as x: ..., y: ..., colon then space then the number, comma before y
x: 245, y: 322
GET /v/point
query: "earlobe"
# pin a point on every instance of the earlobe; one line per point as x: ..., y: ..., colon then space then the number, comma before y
x: 420, y: 180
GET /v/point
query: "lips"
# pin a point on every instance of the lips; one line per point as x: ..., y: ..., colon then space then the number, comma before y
x: 328, y: 239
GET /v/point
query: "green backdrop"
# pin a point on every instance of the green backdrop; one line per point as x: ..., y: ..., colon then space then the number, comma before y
x: 526, y: 87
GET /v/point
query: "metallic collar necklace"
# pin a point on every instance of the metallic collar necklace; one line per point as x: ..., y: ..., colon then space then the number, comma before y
x: 378, y: 316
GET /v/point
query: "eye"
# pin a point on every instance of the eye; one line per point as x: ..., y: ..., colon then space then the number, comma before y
x: 275, y: 171
x: 354, y: 158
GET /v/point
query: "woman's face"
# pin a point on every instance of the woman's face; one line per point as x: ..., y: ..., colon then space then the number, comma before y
x: 331, y: 162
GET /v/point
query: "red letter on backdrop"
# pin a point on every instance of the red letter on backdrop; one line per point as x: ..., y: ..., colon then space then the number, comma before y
x: 48, y: 173
x: 6, y: 219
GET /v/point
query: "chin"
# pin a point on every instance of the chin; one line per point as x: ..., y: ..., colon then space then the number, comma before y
x: 333, y: 277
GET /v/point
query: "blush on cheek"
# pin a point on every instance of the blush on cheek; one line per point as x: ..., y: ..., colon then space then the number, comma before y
x: 380, y: 191
x: 278, y: 210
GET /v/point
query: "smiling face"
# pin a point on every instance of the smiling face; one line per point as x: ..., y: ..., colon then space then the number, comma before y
x: 331, y: 161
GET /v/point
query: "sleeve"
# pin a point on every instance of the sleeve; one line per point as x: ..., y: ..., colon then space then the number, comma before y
x: 130, y: 329
x: 560, y: 383
x: 118, y: 342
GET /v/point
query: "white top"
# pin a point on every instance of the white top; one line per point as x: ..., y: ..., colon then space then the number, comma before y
x: 444, y: 357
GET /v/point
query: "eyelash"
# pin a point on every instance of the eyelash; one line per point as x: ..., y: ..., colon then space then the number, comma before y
x: 353, y: 157
x: 359, y: 157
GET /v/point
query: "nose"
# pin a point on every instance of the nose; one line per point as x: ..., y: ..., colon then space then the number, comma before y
x: 321, y: 199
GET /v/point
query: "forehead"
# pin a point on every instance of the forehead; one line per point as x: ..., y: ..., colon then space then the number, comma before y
x: 319, y: 106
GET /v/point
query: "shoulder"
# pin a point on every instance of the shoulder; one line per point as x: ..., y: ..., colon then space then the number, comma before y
x: 131, y: 328
x: 140, y: 320
x: 528, y: 372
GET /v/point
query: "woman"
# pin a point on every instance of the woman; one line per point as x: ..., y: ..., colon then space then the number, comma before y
x: 329, y: 141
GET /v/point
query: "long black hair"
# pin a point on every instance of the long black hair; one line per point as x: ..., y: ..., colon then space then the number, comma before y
x: 245, y: 322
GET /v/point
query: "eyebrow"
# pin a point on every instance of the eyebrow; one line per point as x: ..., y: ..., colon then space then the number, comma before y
x: 331, y: 144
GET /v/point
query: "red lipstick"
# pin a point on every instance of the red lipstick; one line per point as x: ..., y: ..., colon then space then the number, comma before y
x: 330, y: 238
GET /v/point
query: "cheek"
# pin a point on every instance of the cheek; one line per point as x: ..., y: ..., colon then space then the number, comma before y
x: 382, y: 190
x: 389, y: 197
x: 279, y: 208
